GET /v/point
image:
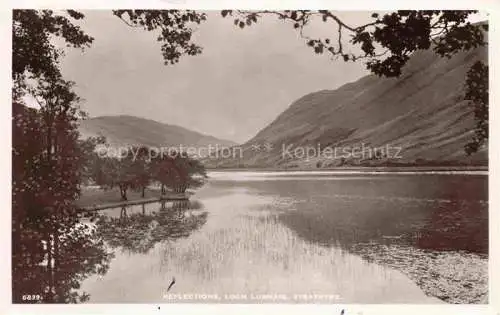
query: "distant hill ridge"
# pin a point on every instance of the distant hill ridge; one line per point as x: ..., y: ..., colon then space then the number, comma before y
x: 125, y: 130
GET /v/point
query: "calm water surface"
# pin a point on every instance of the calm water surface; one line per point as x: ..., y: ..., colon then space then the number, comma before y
x: 257, y: 237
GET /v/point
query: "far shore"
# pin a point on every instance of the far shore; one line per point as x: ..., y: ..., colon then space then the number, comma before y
x: 356, y: 168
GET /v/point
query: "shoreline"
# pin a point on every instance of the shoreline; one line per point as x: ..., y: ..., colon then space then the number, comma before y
x: 360, y: 169
x: 95, y: 199
x: 126, y: 203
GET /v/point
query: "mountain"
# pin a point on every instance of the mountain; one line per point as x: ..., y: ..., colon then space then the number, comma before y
x: 423, y: 113
x: 126, y: 130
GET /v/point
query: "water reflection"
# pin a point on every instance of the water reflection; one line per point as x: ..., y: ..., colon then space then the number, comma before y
x: 57, y: 255
x: 245, y: 250
x: 430, y: 212
x: 139, y: 232
x: 432, y: 228
x: 61, y: 252
x: 303, y: 236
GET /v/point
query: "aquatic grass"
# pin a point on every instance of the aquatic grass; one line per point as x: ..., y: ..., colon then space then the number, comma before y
x: 255, y: 254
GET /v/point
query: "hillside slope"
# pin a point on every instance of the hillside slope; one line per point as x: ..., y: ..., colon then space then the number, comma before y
x: 130, y: 130
x: 422, y: 112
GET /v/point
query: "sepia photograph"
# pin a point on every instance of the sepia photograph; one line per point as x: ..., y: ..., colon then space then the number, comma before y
x: 174, y: 156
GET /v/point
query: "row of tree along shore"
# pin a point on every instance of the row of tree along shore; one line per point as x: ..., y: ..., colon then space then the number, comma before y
x: 138, y: 169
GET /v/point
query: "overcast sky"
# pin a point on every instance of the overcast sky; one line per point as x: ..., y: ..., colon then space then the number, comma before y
x: 238, y: 85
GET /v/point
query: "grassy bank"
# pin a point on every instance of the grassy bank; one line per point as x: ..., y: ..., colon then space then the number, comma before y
x: 91, y: 196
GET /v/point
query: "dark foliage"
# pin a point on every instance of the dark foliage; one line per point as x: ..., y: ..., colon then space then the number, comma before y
x: 477, y: 92
x: 174, y: 29
x: 33, y: 53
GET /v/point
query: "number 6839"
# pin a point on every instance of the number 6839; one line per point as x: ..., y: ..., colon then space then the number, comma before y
x: 31, y: 297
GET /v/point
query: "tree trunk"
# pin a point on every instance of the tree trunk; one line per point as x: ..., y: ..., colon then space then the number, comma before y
x: 58, y: 289
x: 123, y: 215
x: 143, y: 192
x: 50, y: 273
x: 123, y: 192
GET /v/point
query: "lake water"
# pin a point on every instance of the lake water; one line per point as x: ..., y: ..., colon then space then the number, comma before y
x: 302, y: 237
